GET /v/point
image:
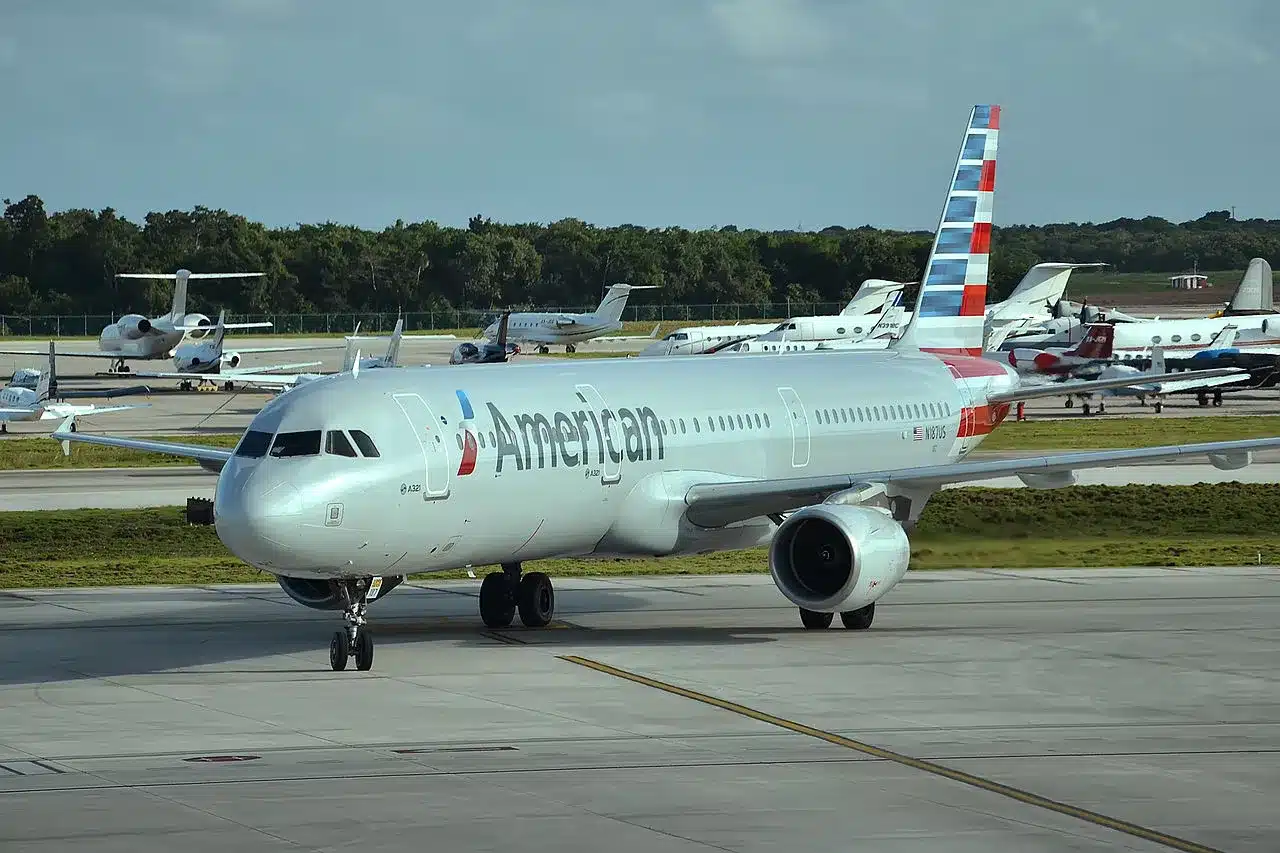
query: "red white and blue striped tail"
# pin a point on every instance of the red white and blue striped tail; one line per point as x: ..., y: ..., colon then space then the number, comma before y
x: 951, y: 308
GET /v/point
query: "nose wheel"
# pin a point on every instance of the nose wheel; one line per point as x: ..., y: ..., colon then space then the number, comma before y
x: 354, y: 639
x: 504, y: 593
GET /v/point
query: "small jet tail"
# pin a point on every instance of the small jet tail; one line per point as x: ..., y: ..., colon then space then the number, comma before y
x: 502, y: 331
x: 615, y: 300
x: 393, y: 348
x: 874, y: 294
x: 350, y: 356
x: 950, y: 311
x: 219, y: 332
x: 1041, y: 288
x: 47, y: 386
x: 1098, y: 341
x: 1255, y: 291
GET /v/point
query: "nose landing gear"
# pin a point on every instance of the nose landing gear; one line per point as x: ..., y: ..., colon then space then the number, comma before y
x: 354, y: 639
x: 504, y: 593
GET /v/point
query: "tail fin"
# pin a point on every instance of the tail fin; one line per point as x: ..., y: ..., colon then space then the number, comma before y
x: 890, y: 316
x: 502, y: 331
x: 1225, y: 338
x: 951, y: 308
x: 1097, y: 342
x: 1042, y: 287
x: 47, y: 386
x: 1255, y: 290
x: 219, y: 332
x: 616, y: 299
x: 393, y: 348
x: 874, y: 294
x: 179, y: 308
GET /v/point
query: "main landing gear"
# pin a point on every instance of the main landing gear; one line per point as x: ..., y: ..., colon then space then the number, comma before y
x: 503, y: 593
x: 856, y: 620
x: 354, y: 639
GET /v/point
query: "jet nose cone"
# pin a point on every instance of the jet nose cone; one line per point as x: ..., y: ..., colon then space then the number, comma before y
x: 260, y: 522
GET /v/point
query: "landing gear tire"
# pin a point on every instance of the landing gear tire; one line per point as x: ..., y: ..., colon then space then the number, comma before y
x: 860, y: 619
x: 1159, y: 407
x: 542, y: 350
x: 814, y: 620
x: 537, y: 598
x: 570, y: 348
x: 364, y: 650
x: 339, y: 650
x: 1084, y: 408
x: 497, y: 604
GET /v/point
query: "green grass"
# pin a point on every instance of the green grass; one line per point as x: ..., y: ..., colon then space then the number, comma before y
x: 1127, y: 432
x: 1225, y: 524
x: 25, y: 454
x: 1122, y: 285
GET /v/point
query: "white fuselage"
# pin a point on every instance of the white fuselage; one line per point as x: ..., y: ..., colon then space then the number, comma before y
x: 135, y: 336
x: 582, y: 461
x: 1174, y: 335
x: 693, y: 340
x: 553, y: 328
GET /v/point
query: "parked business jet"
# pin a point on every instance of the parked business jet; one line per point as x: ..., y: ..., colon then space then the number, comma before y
x: 45, y: 401
x: 499, y: 351
x: 134, y: 337
x: 352, y: 362
x: 1093, y: 352
x: 870, y: 298
x: 1156, y: 388
x: 546, y: 328
x: 803, y: 334
x: 205, y: 359
x: 342, y: 488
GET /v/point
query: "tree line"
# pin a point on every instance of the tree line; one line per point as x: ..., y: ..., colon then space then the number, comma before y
x: 65, y: 262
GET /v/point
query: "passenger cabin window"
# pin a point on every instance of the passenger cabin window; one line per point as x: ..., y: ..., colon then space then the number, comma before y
x: 254, y: 444
x: 306, y: 443
x: 366, y: 445
x: 336, y: 443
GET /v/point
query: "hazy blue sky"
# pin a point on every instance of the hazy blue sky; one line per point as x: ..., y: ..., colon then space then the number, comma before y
x: 759, y: 113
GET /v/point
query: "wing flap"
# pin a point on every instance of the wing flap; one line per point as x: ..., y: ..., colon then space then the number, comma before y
x: 718, y: 504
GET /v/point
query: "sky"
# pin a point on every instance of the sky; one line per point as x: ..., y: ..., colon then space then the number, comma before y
x: 768, y: 114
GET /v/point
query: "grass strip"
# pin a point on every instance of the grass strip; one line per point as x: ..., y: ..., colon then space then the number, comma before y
x: 1084, y: 526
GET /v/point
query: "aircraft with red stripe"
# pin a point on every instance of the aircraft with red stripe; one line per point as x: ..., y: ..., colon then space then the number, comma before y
x: 347, y: 484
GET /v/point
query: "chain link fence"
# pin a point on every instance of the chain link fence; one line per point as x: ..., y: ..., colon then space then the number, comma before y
x: 90, y: 325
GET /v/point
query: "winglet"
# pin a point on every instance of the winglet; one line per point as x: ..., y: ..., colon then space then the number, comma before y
x: 355, y: 365
x: 62, y: 433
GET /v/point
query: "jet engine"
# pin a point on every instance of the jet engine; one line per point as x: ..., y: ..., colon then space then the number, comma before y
x: 832, y: 558
x: 326, y: 594
x: 133, y: 326
x: 231, y: 359
x: 206, y: 325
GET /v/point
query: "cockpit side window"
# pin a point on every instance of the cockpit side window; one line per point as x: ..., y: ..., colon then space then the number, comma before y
x: 306, y: 443
x: 366, y: 445
x: 336, y: 443
x: 681, y: 336
x: 254, y: 444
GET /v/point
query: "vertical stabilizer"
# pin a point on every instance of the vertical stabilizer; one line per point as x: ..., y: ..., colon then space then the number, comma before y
x: 179, y: 308
x: 219, y: 333
x: 1098, y: 341
x: 47, y: 386
x: 1041, y: 288
x: 393, y: 348
x: 615, y: 300
x: 875, y: 294
x: 951, y: 308
x: 1255, y: 290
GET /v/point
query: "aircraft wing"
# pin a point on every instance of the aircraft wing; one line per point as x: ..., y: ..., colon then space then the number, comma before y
x: 1059, y: 389
x: 286, y: 348
x: 718, y: 504
x: 232, y: 373
x: 1190, y: 384
x: 210, y: 458
x: 186, y: 328
x: 16, y: 411
x: 614, y: 339
x: 91, y: 410
x: 71, y: 354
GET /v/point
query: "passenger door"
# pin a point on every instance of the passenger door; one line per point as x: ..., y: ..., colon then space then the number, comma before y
x: 434, y: 443
x: 610, y: 469
x: 799, y: 422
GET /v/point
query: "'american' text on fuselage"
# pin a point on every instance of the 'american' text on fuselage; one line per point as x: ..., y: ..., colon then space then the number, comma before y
x: 576, y: 438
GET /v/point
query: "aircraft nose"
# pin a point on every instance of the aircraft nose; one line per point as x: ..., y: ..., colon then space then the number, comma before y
x: 259, y: 519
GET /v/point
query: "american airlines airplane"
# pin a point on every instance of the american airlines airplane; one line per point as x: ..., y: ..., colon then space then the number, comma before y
x: 346, y: 485
x: 136, y: 337
x: 545, y: 328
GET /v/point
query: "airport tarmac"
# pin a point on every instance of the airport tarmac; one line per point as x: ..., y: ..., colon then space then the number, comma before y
x: 984, y: 711
x: 131, y: 488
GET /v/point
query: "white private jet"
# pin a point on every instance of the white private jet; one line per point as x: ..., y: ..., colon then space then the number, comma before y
x: 870, y: 298
x: 134, y: 337
x: 547, y: 328
x: 45, y: 402
x: 343, y: 488
x: 352, y: 361
x: 1147, y: 383
x: 803, y: 334
x: 205, y: 359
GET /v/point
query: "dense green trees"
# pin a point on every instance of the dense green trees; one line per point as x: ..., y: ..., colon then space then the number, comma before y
x: 64, y: 263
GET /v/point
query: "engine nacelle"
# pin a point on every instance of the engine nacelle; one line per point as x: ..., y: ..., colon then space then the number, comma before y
x: 133, y: 326
x: 205, y: 324
x: 231, y: 359
x: 832, y: 558
x: 326, y: 594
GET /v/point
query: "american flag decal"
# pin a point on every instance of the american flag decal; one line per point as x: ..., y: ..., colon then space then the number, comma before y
x: 917, y: 434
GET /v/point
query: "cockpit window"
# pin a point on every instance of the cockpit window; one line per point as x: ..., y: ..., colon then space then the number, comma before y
x: 297, y: 444
x: 365, y: 443
x: 336, y: 443
x: 254, y: 444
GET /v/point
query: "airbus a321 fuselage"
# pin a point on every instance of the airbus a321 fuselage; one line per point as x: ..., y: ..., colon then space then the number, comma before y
x: 345, y: 485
